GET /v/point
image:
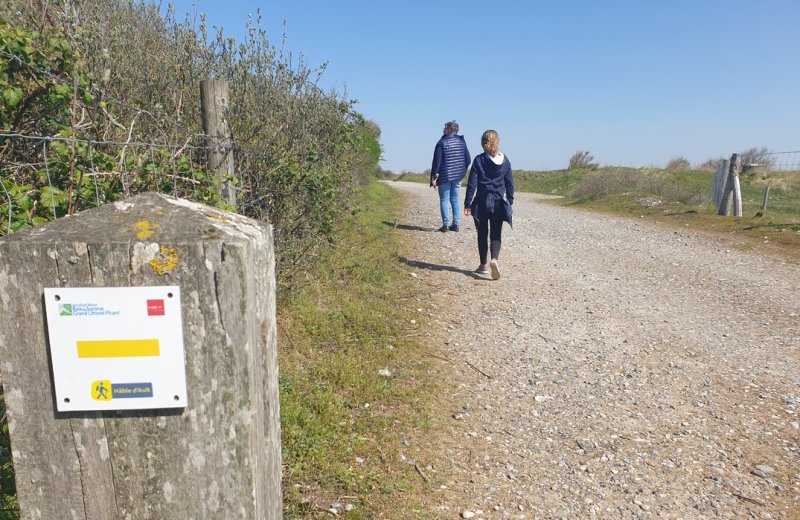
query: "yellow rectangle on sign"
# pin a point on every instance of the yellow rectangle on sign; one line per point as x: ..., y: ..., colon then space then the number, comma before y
x: 118, y: 348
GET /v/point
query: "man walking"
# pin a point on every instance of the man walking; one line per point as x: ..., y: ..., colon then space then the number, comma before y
x: 450, y: 161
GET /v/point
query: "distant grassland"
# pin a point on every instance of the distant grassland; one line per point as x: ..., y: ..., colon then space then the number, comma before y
x: 682, y: 197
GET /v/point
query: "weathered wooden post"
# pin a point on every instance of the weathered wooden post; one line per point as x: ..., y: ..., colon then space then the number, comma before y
x: 719, y: 183
x: 732, y: 189
x: 214, y: 108
x: 216, y: 458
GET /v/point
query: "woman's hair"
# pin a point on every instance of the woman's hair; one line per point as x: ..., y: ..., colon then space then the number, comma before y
x: 490, y: 142
x: 451, y: 127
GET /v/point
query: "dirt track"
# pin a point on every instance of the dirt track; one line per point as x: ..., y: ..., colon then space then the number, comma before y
x: 616, y: 370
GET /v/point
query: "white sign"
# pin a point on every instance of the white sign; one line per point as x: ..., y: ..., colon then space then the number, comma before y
x: 116, y: 348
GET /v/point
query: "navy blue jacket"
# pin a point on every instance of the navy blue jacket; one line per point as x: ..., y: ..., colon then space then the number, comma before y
x: 487, y: 187
x: 450, y: 159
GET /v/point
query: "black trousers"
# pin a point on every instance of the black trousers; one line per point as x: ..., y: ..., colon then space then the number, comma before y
x: 490, y: 227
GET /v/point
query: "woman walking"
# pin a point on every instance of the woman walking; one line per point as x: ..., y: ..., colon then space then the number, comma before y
x: 490, y: 194
x: 450, y: 161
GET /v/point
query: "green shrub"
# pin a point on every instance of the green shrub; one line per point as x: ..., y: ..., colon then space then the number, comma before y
x: 300, y: 152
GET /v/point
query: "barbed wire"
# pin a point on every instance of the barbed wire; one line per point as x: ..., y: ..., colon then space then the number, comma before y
x: 42, y: 144
x: 144, y: 144
x: 218, y: 144
x: 96, y: 94
x: 218, y: 148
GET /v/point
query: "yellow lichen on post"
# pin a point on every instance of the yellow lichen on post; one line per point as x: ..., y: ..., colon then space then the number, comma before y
x: 166, y: 261
x: 217, y: 216
x: 145, y: 229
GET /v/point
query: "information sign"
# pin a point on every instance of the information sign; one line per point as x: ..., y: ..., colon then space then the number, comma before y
x: 116, y: 348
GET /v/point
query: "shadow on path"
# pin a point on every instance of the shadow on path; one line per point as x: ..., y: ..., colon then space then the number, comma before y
x: 437, y: 267
x: 407, y: 227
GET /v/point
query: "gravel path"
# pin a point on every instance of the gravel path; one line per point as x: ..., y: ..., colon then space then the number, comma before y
x: 616, y: 370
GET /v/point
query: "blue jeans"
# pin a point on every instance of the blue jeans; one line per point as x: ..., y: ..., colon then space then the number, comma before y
x: 449, y: 195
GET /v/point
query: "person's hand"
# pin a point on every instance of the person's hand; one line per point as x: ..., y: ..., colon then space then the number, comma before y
x: 433, y: 183
x: 468, y: 211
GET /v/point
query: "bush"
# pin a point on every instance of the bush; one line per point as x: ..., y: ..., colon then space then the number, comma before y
x: 300, y: 152
x: 582, y: 160
x: 678, y: 164
x: 756, y: 158
x: 599, y: 185
x: 712, y: 165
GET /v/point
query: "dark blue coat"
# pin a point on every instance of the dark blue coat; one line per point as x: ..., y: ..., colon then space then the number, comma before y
x: 450, y: 159
x: 490, y: 187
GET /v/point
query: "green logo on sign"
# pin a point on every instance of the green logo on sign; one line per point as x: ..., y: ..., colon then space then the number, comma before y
x: 65, y: 309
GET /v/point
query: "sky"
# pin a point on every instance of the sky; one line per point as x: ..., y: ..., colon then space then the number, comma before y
x: 633, y: 82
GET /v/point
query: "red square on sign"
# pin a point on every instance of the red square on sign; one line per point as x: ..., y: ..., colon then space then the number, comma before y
x: 155, y: 307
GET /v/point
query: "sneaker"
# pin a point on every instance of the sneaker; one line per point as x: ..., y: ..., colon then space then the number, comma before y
x: 495, y: 269
x: 482, y: 269
x: 443, y: 229
x: 454, y: 227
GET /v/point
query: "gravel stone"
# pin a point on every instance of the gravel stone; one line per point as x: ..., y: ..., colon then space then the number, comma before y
x: 618, y: 369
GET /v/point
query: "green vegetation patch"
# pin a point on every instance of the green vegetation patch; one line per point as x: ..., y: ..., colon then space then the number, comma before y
x: 683, y: 198
x: 354, y: 376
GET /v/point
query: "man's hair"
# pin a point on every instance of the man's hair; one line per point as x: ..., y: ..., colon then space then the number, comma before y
x: 451, y: 127
x: 490, y: 142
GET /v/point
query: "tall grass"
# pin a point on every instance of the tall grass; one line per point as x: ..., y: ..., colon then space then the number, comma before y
x: 342, y: 421
x: 603, y: 184
x: 355, y: 380
x: 662, y: 194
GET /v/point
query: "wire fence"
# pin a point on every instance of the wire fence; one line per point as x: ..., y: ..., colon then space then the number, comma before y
x: 768, y: 180
x: 778, y: 161
x: 96, y: 171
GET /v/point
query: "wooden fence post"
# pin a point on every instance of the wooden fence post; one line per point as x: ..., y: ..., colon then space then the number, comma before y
x: 732, y: 189
x: 217, y: 458
x: 214, y: 108
x: 719, y: 184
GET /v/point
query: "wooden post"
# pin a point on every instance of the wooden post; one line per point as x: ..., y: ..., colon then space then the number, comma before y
x: 763, y: 211
x: 219, y: 457
x: 719, y: 184
x: 732, y: 189
x: 214, y: 108
x: 737, y: 188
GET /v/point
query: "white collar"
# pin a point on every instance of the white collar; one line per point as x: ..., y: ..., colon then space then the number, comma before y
x: 497, y: 159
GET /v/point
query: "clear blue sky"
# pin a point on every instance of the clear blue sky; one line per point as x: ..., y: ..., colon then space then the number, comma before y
x: 634, y: 82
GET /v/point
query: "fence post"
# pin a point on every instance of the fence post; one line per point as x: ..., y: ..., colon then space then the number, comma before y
x: 719, y: 184
x: 737, y: 188
x: 214, y: 110
x: 217, y: 458
x: 732, y: 189
x: 763, y: 211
